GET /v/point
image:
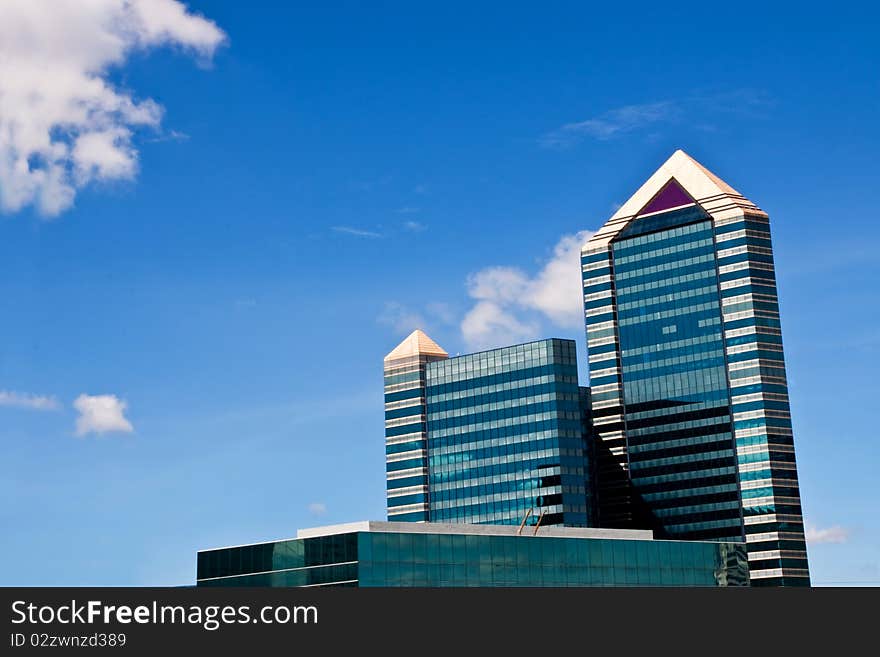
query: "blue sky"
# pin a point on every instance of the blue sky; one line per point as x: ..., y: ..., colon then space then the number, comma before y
x: 194, y: 322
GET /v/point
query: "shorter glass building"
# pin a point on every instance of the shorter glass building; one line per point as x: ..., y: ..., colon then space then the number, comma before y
x: 505, y: 435
x: 487, y: 438
x: 405, y: 554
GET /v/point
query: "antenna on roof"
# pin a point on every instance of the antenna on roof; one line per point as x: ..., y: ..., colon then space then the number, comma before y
x: 523, y: 523
x: 538, y: 526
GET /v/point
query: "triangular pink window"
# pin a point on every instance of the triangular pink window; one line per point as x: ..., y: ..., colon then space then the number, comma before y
x: 672, y: 195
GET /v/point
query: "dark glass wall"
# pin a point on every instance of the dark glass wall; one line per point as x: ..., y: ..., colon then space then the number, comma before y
x: 505, y: 435
x: 682, y: 457
x: 325, y: 560
x: 457, y: 560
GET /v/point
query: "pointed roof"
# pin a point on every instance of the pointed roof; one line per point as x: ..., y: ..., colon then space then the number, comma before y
x: 679, y: 177
x: 416, y: 343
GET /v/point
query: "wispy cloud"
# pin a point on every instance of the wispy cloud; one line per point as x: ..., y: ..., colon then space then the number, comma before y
x: 317, y: 508
x: 64, y: 123
x: 170, y: 135
x: 404, y: 320
x: 372, y: 184
x: 400, y: 318
x: 699, y: 107
x: 510, y: 304
x: 28, y: 401
x: 833, y: 534
x: 390, y: 231
x: 612, y: 123
x: 415, y: 226
x: 101, y: 414
x: 356, y: 232
x: 441, y: 311
x: 408, y: 210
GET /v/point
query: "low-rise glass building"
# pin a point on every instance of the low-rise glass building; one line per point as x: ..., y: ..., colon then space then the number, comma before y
x: 393, y: 554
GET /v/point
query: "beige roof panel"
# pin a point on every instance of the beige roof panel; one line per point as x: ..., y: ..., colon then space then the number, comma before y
x: 715, y: 196
x: 416, y: 343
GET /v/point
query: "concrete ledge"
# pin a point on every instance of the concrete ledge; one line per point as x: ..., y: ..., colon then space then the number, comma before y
x: 477, y: 530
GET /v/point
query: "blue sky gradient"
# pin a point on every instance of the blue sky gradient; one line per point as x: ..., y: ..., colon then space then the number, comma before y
x: 335, y: 176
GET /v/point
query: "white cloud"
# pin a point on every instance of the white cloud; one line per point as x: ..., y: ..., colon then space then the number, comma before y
x: 29, y: 401
x: 357, y: 232
x: 833, y: 534
x: 101, y: 414
x: 509, y: 302
x: 489, y: 325
x: 317, y: 508
x: 63, y: 124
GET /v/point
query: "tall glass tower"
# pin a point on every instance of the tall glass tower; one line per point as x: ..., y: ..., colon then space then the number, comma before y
x: 688, y: 387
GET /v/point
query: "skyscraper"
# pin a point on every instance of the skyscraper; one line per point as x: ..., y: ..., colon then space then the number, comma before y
x: 688, y: 387
x: 484, y: 438
x: 406, y: 433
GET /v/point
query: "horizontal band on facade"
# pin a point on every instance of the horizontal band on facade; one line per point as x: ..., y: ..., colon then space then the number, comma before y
x: 758, y: 396
x: 404, y: 456
x: 742, y: 233
x: 770, y: 518
x: 405, y: 438
x: 778, y: 573
x: 774, y: 536
x: 400, y: 368
x: 602, y: 310
x: 402, y: 387
x: 753, y: 363
x: 751, y: 330
x: 408, y: 508
x: 759, y: 217
x: 771, y: 482
x: 769, y: 500
x: 402, y: 421
x: 746, y: 450
x: 761, y: 413
x: 596, y: 373
x: 408, y: 490
x: 412, y: 402
x: 409, y: 472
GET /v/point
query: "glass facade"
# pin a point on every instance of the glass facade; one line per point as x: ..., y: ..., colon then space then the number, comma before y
x: 321, y: 561
x: 682, y: 460
x: 505, y: 435
x: 688, y: 389
x: 428, y: 559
